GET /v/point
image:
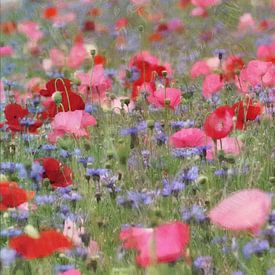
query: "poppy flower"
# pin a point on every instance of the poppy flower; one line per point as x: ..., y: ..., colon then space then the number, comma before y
x: 97, y: 80
x: 200, y: 68
x: 246, y: 112
x: 260, y: 73
x: 230, y: 145
x: 50, y: 12
x: 8, y: 27
x: 99, y: 59
x: 205, y: 3
x: 266, y: 52
x: 212, y: 83
x: 12, y: 195
x: 163, y: 244
x: 70, y: 100
x: 76, y: 56
x: 219, y: 123
x: 245, y: 210
x: 6, y: 51
x: 73, y: 123
x: 148, y: 68
x: 189, y: 138
x: 70, y: 272
x: 160, y: 96
x: 59, y: 175
x: 48, y: 242
x: 14, y: 114
x: 232, y: 66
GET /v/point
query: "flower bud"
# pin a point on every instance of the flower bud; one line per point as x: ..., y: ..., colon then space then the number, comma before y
x: 57, y: 97
x: 31, y: 231
x: 167, y: 102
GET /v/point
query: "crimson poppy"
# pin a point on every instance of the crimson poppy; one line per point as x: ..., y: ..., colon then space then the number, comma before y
x: 163, y: 244
x: 14, y: 113
x: 245, y: 112
x: 50, y: 12
x: 48, y: 242
x: 59, y: 175
x: 12, y: 195
x: 232, y: 66
x: 99, y: 59
x: 219, y: 123
x: 70, y: 100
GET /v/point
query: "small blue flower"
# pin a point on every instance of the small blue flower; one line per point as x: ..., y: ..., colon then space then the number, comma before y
x: 7, y: 256
x: 255, y: 246
x: 10, y: 232
x: 37, y: 171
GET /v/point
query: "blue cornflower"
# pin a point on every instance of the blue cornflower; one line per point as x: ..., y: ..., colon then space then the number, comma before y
x: 255, y: 246
x: 86, y: 160
x: 96, y: 172
x: 204, y: 263
x: 64, y: 153
x: 45, y: 199
x: 20, y: 215
x: 192, y: 173
x: 134, y: 130
x: 7, y: 256
x: 63, y: 268
x: 37, y: 171
x: 48, y: 147
x: 91, y: 108
x: 10, y: 232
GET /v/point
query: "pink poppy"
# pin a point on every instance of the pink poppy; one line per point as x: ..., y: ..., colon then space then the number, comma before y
x: 246, y: 22
x: 219, y: 123
x: 199, y: 11
x: 76, y: 56
x: 212, y: 83
x: 159, y: 96
x: 97, y: 80
x: 57, y: 57
x: 205, y: 3
x: 74, y: 123
x: 163, y: 244
x: 266, y: 52
x: 31, y: 30
x: 6, y: 51
x: 245, y: 210
x: 230, y: 145
x: 241, y: 81
x: 64, y: 19
x: 187, y: 138
x: 70, y: 272
x: 200, y: 68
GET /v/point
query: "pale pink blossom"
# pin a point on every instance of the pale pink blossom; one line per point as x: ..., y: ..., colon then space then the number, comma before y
x: 73, y: 123
x: 161, y: 95
x: 245, y: 210
x: 6, y: 51
x: 212, y: 84
x: 189, y: 138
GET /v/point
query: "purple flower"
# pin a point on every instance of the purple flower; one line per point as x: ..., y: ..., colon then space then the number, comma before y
x: 203, y: 263
x: 7, y: 256
x: 254, y: 247
x: 10, y: 232
x: 37, y: 171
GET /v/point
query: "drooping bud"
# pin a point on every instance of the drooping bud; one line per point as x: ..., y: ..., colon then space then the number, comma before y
x: 57, y: 97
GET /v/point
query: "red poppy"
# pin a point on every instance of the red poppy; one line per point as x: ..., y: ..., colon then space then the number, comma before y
x: 219, y: 123
x: 232, y: 66
x: 99, y: 59
x: 59, y: 175
x: 70, y: 100
x: 8, y: 27
x: 163, y: 244
x: 149, y: 68
x: 14, y: 113
x: 49, y: 241
x: 12, y: 195
x: 89, y: 26
x: 245, y: 112
x: 50, y: 12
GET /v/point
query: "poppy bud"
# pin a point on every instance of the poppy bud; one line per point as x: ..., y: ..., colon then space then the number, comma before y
x: 140, y: 28
x: 127, y: 101
x: 164, y: 73
x: 57, y: 97
x: 151, y: 124
x: 3, y: 177
x: 202, y: 180
x: 93, y: 52
x: 167, y: 102
x: 31, y: 231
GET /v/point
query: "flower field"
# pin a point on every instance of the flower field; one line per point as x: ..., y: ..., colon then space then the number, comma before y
x: 137, y: 137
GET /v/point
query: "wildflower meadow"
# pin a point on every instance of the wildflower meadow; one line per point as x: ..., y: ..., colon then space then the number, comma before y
x: 137, y: 137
